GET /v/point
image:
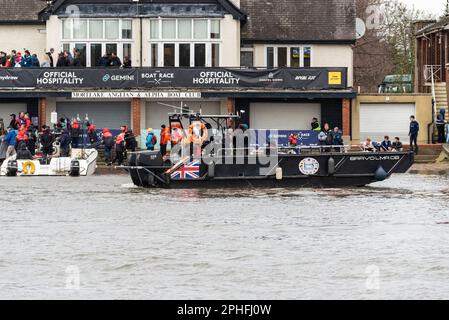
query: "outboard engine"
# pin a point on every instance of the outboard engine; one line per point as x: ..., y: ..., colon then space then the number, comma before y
x: 75, y: 168
x: 12, y: 168
x: 153, y: 163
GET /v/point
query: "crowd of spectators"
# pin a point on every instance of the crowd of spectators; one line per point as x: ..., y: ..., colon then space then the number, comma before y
x: 64, y: 59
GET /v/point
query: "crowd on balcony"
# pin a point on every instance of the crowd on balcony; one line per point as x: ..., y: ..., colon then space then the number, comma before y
x: 64, y: 59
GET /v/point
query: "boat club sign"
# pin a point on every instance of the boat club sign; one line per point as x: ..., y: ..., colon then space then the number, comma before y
x: 192, y: 78
x: 136, y: 94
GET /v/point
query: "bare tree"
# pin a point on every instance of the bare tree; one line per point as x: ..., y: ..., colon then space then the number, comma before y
x: 388, y: 46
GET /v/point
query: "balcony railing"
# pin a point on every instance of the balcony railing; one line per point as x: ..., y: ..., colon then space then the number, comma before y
x: 433, y: 71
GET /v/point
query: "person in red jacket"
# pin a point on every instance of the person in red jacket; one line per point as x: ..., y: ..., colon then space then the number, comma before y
x: 21, y: 136
x: 119, y: 149
x: 108, y: 142
x: 27, y: 120
x: 293, y: 140
x: 165, y: 139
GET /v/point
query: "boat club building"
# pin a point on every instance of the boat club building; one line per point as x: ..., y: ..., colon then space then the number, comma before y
x: 279, y: 62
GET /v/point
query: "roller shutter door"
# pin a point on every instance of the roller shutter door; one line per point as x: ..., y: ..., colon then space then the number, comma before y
x: 157, y: 114
x: 283, y: 116
x: 379, y: 120
x: 9, y: 108
x: 104, y: 114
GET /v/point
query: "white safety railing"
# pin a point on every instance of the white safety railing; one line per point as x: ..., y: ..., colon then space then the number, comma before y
x: 433, y: 73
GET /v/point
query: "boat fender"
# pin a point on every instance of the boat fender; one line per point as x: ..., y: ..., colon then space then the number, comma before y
x: 75, y: 168
x: 331, y: 166
x: 12, y: 168
x: 380, y: 174
x: 211, y: 170
x: 279, y: 174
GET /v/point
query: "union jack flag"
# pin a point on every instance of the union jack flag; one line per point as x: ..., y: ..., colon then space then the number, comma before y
x: 189, y: 171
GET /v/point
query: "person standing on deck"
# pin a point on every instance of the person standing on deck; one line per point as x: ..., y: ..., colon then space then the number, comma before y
x: 108, y: 142
x: 315, y: 125
x: 151, y: 140
x: 119, y: 149
x: 46, y: 141
x: 165, y: 139
x: 413, y: 134
x: 440, y: 123
x: 65, y: 141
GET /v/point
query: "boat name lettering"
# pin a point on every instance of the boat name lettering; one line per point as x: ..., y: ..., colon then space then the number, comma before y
x: 374, y: 158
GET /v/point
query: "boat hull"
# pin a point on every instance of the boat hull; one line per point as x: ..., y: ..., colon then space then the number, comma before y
x: 82, y: 163
x: 324, y: 170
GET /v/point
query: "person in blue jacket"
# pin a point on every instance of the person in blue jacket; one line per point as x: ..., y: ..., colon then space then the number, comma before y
x: 385, y: 146
x: 151, y: 140
x: 27, y: 60
x: 10, y: 139
x: 413, y: 134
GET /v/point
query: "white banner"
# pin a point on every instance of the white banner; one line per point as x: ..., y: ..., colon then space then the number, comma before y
x: 135, y: 94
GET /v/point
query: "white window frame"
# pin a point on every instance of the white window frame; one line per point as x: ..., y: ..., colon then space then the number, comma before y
x: 192, y: 41
x: 120, y: 26
x: 103, y: 48
x: 289, y: 46
x: 120, y: 41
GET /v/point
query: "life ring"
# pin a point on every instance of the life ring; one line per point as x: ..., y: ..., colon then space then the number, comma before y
x: 195, y: 138
x: 29, y: 167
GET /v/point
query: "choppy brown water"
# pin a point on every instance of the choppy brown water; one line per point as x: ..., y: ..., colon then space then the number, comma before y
x: 386, y: 241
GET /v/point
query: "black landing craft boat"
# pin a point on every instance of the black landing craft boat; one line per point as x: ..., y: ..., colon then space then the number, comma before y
x: 229, y: 167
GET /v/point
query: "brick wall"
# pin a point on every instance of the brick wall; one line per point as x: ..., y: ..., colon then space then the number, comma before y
x: 136, y: 115
x: 42, y: 111
x: 346, y: 116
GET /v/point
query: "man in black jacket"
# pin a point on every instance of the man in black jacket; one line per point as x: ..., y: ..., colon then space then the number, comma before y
x: 32, y: 140
x: 23, y: 153
x: 413, y: 133
x: 50, y: 57
x: 65, y: 142
x: 3, y: 59
x: 441, y: 123
x: 46, y: 140
x: 115, y: 61
x: 104, y: 61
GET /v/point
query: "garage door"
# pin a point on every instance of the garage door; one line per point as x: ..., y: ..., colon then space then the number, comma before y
x: 378, y: 120
x: 283, y: 116
x: 9, y: 108
x: 157, y: 114
x: 104, y: 114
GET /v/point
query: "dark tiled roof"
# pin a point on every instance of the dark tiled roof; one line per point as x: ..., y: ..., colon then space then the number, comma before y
x: 299, y: 20
x: 116, y: 7
x: 435, y: 26
x: 20, y: 10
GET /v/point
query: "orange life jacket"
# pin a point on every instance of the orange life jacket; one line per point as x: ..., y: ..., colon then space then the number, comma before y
x: 107, y: 134
x: 119, y: 139
x: 165, y: 136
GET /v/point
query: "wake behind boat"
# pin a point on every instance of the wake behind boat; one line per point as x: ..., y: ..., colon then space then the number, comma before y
x: 205, y: 160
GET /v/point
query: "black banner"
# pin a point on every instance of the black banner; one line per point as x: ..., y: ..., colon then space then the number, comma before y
x: 153, y: 78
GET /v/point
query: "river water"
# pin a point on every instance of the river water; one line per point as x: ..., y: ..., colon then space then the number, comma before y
x: 101, y: 238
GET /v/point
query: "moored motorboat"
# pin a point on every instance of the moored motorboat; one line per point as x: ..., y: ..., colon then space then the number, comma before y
x: 82, y: 162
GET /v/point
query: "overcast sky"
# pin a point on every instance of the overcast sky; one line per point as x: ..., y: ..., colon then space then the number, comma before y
x: 433, y: 6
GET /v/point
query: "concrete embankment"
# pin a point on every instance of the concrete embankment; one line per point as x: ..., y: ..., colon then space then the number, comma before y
x: 430, y: 168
